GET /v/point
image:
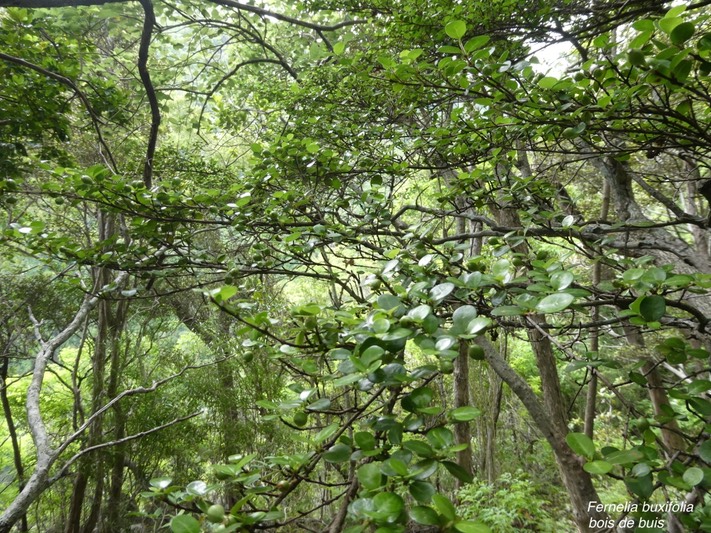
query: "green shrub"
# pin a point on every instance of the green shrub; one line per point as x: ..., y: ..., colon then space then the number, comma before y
x: 513, y: 503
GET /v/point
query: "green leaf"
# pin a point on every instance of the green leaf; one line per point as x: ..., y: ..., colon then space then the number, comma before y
x: 160, y: 482
x: 458, y: 472
x: 700, y: 405
x: 624, y: 457
x: 319, y: 405
x: 456, y: 29
x: 184, y: 523
x: 365, y: 440
x: 369, y: 476
x: 417, y: 399
x: 693, y: 476
x: 226, y: 292
x: 554, y: 303
x: 476, y: 42
x: 464, y: 414
x: 388, y: 302
x: 420, y: 312
x: 422, y: 491
x: 339, y: 453
x: 507, y: 310
x: 561, y: 280
x: 441, y: 291
x: 440, y: 437
x: 652, y: 308
x: 548, y: 82
x: 632, y: 274
x: 444, y: 506
x: 461, y: 318
x: 196, y: 488
x: 682, y: 33
x: 705, y: 451
x: 581, y: 444
x: 641, y: 486
x: 424, y: 515
x: 467, y: 526
x: 667, y: 24
x: 388, y: 505
x: 420, y: 448
x: 478, y: 325
x: 597, y: 467
x: 699, y: 386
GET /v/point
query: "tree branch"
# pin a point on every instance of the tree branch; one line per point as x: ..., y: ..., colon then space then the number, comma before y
x: 73, y: 86
x: 128, y: 438
x: 148, y: 23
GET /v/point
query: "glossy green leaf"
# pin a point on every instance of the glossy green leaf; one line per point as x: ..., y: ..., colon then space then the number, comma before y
x: 338, y: 453
x: 440, y: 438
x: 424, y: 515
x: 476, y: 42
x: 422, y: 491
x: 420, y: 448
x: 388, y: 506
x: 705, y: 451
x: 682, y: 33
x: 319, y: 405
x: 417, y: 399
x: 227, y: 292
x: 554, y: 303
x: 464, y: 414
x: 598, y: 467
x: 369, y: 476
x: 693, y: 476
x: 456, y: 29
x: 624, y: 457
x: 184, y: 523
x: 441, y: 291
x: 458, y: 472
x: 160, y: 482
x: 561, y: 280
x: 461, y: 318
x: 444, y: 506
x: 581, y: 444
x: 652, y: 308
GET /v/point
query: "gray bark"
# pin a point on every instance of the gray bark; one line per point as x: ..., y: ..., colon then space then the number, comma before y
x: 577, y: 482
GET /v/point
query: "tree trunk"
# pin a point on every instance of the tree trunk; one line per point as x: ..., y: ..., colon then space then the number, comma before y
x: 496, y: 390
x: 7, y: 411
x: 551, y: 424
x: 462, y: 431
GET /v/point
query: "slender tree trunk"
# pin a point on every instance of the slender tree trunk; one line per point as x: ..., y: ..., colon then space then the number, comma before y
x: 39, y: 480
x: 551, y: 424
x: 496, y: 390
x: 110, y: 323
x: 118, y: 455
x: 462, y: 431
x: 591, y: 396
x: 12, y: 431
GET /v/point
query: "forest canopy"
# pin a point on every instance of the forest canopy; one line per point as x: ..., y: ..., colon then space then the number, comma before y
x: 355, y: 266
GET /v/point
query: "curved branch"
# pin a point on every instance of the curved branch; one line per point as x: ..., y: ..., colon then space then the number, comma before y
x: 95, y: 120
x: 35, y: 4
x: 148, y: 23
x: 128, y: 438
x: 284, y: 18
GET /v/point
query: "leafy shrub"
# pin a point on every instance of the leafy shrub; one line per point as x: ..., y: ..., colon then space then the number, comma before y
x: 512, y: 503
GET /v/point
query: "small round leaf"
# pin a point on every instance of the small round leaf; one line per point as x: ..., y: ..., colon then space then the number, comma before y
x: 456, y: 29
x: 555, y: 302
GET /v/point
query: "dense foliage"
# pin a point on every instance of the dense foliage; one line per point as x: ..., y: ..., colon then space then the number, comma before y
x: 355, y: 266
